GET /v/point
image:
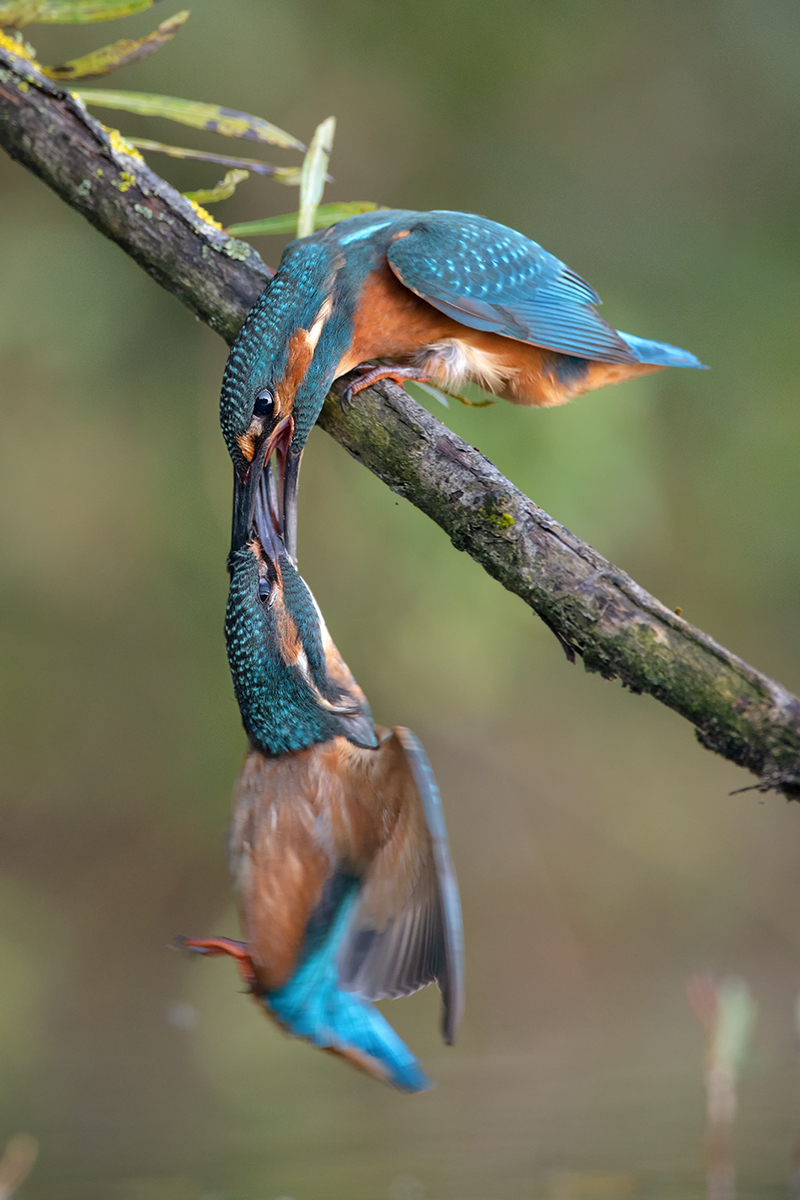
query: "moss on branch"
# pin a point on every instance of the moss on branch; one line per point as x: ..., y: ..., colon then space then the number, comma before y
x: 595, y: 610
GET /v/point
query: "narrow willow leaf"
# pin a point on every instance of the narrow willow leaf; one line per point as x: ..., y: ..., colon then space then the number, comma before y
x: 327, y: 214
x: 736, y: 1016
x: 226, y: 121
x: 471, y: 403
x: 16, y: 13
x: 287, y: 175
x: 80, y: 12
x: 441, y: 395
x: 312, y: 179
x: 120, y: 54
x: 432, y: 391
x: 225, y: 188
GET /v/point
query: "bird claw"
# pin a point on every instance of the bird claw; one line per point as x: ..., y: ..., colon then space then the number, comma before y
x: 346, y: 400
x: 360, y: 380
x: 222, y: 945
x: 369, y: 374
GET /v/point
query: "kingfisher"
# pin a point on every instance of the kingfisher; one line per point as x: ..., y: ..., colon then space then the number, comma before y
x: 344, y: 881
x: 440, y: 297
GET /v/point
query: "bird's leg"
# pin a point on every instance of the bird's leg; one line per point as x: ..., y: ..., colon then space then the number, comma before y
x: 222, y: 945
x: 371, y: 374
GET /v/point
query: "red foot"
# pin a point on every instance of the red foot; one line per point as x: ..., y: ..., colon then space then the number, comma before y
x: 223, y: 945
x: 371, y: 375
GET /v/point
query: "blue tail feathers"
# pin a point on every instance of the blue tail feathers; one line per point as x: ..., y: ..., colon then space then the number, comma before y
x: 660, y: 354
x: 311, y: 1005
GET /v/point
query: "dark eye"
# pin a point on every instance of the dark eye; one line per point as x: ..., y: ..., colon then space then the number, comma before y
x: 265, y: 403
x: 263, y: 588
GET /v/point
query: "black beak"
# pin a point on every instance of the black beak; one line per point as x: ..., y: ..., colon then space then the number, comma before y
x: 291, y: 475
x: 246, y: 487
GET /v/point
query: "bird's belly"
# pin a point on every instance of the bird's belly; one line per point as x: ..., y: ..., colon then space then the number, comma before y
x: 298, y: 820
x: 517, y: 371
x: 392, y: 322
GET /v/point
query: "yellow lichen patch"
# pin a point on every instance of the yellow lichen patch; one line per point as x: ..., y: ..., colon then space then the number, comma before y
x: 202, y: 214
x: 20, y: 48
x: 119, y: 144
x: 125, y: 181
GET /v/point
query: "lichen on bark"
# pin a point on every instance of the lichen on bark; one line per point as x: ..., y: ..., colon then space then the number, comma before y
x: 595, y: 610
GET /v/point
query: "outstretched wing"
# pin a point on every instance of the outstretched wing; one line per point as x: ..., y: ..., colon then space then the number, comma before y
x: 492, y: 278
x: 406, y: 931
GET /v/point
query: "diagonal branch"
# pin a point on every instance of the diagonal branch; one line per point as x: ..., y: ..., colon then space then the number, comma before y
x: 593, y: 608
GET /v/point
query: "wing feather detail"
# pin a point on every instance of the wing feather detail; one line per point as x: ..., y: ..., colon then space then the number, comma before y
x: 389, y: 954
x: 492, y: 278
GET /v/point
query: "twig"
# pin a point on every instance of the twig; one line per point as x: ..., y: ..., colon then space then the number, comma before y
x: 595, y: 610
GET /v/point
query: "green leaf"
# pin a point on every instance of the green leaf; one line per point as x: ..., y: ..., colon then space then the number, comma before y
x: 70, y: 12
x: 16, y: 13
x: 327, y: 214
x: 441, y: 394
x: 212, y: 117
x: 432, y: 391
x: 736, y: 1016
x: 312, y: 178
x: 287, y: 175
x: 225, y: 188
x: 472, y: 403
x: 120, y: 54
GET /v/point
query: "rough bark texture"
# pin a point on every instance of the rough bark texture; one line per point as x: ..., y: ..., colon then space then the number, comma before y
x: 51, y: 133
x: 594, y: 609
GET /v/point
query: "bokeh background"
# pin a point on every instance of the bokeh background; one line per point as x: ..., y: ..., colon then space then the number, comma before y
x: 601, y: 856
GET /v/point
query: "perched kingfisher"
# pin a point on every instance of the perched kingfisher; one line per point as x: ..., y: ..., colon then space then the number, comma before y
x: 345, y: 886
x: 440, y: 297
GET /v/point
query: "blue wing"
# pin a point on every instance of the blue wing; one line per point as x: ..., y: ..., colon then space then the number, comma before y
x: 492, y: 278
x: 422, y: 942
x: 451, y: 979
x: 660, y: 353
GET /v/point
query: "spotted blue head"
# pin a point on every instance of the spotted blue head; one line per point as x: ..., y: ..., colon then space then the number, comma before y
x: 285, y: 358
x: 268, y: 362
x: 293, y: 687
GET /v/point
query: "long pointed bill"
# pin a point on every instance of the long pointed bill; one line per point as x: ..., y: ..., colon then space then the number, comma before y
x: 245, y: 490
x: 291, y: 476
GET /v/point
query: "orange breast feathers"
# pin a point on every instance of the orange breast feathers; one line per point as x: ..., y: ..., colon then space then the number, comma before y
x: 394, y: 323
x: 518, y: 371
x: 299, y: 819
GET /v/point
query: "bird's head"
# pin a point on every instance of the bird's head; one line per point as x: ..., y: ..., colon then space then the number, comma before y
x: 293, y: 687
x: 278, y: 372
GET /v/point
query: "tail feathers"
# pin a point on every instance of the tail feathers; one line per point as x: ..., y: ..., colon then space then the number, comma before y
x: 660, y: 353
x: 311, y: 1004
x: 340, y: 1022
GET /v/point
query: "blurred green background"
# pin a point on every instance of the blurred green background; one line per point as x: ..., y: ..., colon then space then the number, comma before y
x: 654, y: 147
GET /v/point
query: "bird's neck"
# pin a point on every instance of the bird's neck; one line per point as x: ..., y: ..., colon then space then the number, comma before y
x: 279, y: 711
x: 279, y: 717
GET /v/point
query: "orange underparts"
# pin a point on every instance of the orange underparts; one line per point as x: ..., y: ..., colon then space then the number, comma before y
x: 392, y: 322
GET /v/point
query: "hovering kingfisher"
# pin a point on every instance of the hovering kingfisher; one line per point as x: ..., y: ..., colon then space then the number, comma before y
x: 345, y: 886
x: 439, y: 297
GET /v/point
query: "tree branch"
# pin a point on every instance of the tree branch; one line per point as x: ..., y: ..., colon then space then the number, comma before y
x: 594, y: 609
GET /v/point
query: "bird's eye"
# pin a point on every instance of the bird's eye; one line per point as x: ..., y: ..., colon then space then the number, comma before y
x: 263, y: 588
x: 265, y: 403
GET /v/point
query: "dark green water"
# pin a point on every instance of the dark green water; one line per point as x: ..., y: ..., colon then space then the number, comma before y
x: 602, y: 860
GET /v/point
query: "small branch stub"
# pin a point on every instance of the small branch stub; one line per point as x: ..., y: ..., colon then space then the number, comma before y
x: 595, y: 610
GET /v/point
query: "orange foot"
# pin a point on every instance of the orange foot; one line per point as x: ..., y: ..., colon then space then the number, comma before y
x: 370, y: 375
x: 223, y: 945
